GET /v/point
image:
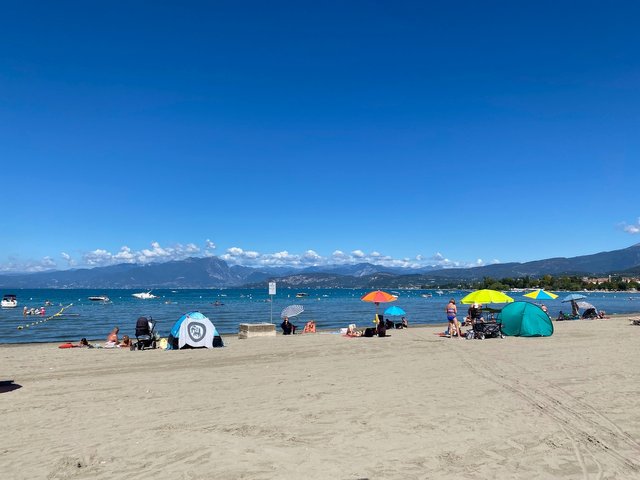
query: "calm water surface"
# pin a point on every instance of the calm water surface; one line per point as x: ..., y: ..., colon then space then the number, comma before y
x: 332, y: 309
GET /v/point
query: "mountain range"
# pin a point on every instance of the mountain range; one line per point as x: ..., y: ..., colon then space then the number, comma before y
x: 213, y: 272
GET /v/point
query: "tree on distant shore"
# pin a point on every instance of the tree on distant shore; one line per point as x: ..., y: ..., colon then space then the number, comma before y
x: 547, y: 282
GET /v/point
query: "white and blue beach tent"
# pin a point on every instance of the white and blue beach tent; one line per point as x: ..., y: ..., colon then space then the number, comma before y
x: 194, y: 330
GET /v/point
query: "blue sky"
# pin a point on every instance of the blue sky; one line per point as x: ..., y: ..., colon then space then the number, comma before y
x: 406, y: 133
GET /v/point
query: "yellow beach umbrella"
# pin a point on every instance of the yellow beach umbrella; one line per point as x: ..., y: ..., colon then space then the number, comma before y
x: 541, y: 294
x: 486, y: 296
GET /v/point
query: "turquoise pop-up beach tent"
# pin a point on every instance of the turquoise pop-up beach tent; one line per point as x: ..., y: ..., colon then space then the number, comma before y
x: 524, y: 319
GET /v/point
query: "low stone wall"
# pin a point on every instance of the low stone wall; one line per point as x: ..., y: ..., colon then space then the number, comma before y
x: 248, y: 330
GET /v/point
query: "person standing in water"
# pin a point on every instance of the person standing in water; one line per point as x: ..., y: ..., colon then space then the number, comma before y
x: 452, y: 312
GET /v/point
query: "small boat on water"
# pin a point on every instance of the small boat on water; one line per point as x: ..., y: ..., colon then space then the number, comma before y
x: 9, y: 301
x: 301, y: 295
x: 144, y: 295
x: 99, y: 298
x: 427, y: 295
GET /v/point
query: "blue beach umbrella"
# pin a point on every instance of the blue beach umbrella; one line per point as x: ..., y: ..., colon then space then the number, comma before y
x: 572, y: 297
x: 394, y: 311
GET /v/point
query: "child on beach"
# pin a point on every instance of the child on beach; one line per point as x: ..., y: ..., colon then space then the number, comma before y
x: 310, y: 327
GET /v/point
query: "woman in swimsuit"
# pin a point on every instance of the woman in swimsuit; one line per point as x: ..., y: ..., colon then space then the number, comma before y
x: 452, y: 311
x: 112, y: 339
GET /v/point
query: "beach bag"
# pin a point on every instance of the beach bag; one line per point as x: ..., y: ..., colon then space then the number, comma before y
x: 369, y: 332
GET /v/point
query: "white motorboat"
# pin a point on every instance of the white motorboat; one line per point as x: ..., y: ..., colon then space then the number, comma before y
x: 144, y: 295
x: 100, y: 298
x: 9, y: 301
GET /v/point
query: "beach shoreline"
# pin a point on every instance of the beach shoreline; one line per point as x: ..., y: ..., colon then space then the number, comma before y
x: 414, y: 405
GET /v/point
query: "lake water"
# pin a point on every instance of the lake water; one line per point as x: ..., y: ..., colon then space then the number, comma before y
x: 332, y: 309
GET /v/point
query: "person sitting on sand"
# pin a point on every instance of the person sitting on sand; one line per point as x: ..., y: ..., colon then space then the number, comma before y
x: 126, y: 342
x: 474, y: 314
x: 310, y: 327
x: 352, y: 332
x: 402, y: 323
x: 287, y: 327
x: 84, y: 343
x: 112, y: 338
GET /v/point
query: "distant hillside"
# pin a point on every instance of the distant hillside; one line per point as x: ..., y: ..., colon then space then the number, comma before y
x: 190, y: 273
x: 213, y: 272
x: 597, y: 264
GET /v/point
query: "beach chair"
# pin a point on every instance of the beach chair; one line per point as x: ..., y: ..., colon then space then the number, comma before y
x: 482, y: 330
x: 145, y: 333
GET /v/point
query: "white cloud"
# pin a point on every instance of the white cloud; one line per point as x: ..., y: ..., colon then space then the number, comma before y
x: 97, y: 258
x: 14, y: 265
x: 191, y: 249
x: 632, y: 229
x: 235, y: 255
x: 125, y: 255
x: 311, y: 257
x: 68, y: 259
x: 209, y: 248
x: 155, y: 253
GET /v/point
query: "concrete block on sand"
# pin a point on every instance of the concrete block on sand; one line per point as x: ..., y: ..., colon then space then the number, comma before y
x: 248, y: 330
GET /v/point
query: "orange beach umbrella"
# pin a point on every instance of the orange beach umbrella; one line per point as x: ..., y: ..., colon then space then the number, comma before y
x: 378, y: 297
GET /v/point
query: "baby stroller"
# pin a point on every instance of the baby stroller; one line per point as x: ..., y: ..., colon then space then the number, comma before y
x: 482, y: 330
x: 145, y: 333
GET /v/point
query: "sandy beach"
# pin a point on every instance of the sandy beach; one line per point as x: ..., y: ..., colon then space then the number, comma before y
x: 323, y: 406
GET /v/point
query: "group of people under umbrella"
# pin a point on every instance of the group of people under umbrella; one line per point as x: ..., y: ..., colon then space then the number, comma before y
x: 478, y: 301
x: 375, y: 297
